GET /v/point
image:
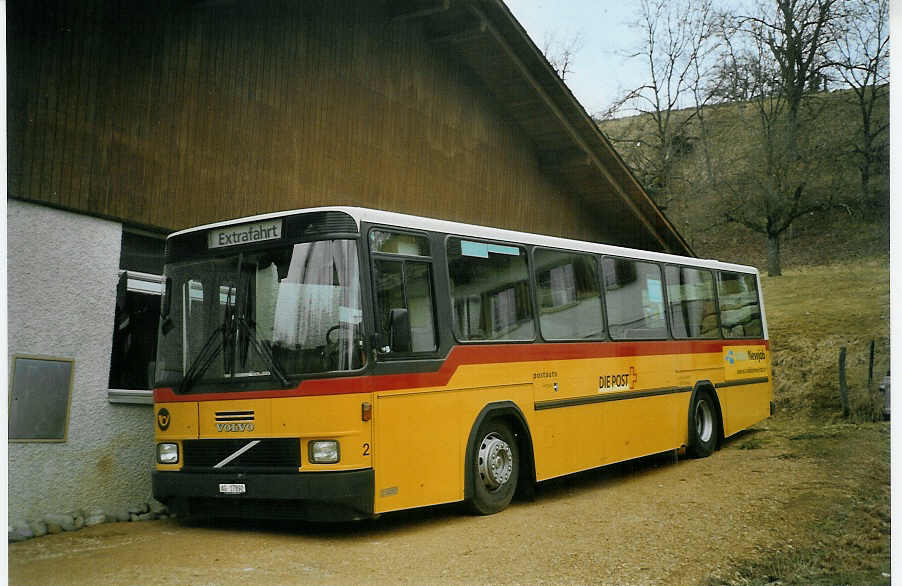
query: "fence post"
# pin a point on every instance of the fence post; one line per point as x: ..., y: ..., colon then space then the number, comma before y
x: 871, y: 365
x: 843, y: 389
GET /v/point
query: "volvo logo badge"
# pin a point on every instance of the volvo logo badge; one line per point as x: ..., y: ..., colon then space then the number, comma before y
x: 235, y: 427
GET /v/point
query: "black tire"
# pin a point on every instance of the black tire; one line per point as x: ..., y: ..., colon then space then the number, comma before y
x: 704, y: 425
x: 495, y: 467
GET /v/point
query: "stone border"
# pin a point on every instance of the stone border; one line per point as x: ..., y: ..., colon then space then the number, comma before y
x: 21, y: 530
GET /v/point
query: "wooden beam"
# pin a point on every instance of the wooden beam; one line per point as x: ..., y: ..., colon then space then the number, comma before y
x: 521, y: 103
x: 563, y: 160
x: 475, y: 31
x: 422, y: 12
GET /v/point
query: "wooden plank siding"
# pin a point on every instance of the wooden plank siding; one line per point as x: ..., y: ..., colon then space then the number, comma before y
x: 168, y: 114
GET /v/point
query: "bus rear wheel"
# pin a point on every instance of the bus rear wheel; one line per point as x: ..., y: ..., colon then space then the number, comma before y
x: 703, y: 425
x: 495, y: 467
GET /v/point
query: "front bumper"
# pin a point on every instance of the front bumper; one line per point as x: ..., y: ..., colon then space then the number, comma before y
x: 312, y: 496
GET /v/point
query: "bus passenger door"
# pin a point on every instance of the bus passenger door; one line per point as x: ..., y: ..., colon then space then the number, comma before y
x: 417, y: 460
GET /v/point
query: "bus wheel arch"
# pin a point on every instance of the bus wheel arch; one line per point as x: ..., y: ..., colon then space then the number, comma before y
x: 705, y: 420
x: 491, y: 423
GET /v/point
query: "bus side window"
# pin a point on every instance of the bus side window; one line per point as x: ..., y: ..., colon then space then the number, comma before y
x: 634, y: 298
x: 490, y: 298
x: 568, y: 296
x: 690, y: 293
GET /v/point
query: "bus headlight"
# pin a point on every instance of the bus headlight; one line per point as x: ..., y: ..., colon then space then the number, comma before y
x: 324, y: 452
x: 168, y: 453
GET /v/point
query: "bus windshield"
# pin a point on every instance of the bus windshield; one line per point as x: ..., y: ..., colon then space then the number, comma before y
x: 272, y: 314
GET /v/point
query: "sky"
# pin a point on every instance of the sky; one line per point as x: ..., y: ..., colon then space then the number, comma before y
x: 599, y: 72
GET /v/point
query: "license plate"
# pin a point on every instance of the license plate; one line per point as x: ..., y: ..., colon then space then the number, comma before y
x: 231, y: 489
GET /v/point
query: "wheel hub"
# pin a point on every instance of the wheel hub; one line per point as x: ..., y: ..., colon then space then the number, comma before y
x: 495, y: 461
x: 704, y: 421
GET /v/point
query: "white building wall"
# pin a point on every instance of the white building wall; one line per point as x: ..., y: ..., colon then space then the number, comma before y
x: 62, y: 275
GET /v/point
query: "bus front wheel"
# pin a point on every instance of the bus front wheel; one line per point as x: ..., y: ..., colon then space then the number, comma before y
x: 495, y: 466
x: 703, y: 425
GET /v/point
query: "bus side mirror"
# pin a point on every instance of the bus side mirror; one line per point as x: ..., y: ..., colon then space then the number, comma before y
x: 165, y: 322
x: 167, y: 297
x: 399, y: 330
x: 376, y: 341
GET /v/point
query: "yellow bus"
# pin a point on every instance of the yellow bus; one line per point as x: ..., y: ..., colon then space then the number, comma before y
x: 338, y: 363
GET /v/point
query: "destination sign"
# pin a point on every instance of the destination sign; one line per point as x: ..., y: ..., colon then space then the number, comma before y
x: 244, y: 234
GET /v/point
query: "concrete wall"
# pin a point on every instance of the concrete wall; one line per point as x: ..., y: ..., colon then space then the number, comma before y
x: 62, y: 276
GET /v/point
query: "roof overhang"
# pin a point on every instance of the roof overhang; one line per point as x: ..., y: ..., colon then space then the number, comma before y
x: 569, y: 145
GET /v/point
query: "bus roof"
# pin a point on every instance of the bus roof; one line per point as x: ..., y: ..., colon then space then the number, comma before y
x: 359, y: 214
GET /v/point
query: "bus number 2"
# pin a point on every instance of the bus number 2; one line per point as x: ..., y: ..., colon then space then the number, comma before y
x: 366, y: 449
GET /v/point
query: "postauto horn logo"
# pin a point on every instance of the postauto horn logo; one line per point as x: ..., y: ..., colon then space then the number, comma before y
x: 163, y: 419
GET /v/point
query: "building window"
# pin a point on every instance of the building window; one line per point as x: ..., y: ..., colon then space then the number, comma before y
x: 138, y: 296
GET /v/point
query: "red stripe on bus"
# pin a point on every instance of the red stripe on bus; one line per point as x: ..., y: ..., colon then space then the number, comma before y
x: 467, y: 355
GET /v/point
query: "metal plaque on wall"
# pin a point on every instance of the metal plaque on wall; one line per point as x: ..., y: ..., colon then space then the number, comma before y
x: 40, y: 393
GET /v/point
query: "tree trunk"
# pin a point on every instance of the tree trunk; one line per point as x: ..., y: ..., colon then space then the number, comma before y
x: 865, y: 175
x: 843, y: 386
x: 773, y: 255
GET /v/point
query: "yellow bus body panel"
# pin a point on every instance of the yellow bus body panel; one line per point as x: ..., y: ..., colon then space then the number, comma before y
x: 421, y: 441
x: 581, y: 413
x: 421, y: 434
x: 337, y: 417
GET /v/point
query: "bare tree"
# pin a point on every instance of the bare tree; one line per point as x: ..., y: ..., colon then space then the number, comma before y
x: 777, y: 57
x: 561, y: 54
x: 676, y: 50
x: 861, y: 59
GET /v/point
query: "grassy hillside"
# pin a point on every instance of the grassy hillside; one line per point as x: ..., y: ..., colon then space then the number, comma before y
x: 855, y: 228
x: 811, y: 313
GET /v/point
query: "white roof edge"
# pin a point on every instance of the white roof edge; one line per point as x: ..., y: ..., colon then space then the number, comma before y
x: 373, y: 216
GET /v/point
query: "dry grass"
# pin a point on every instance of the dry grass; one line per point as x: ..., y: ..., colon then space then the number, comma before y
x: 836, y: 530
x: 813, y: 312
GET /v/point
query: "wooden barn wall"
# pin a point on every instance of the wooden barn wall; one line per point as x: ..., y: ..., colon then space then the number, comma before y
x: 170, y: 114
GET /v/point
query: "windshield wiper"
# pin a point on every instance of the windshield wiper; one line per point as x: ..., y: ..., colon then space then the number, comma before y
x: 262, y: 350
x: 211, y: 349
x: 235, y: 313
x: 208, y: 352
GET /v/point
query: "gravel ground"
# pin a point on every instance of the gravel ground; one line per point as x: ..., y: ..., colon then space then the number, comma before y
x: 654, y: 521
